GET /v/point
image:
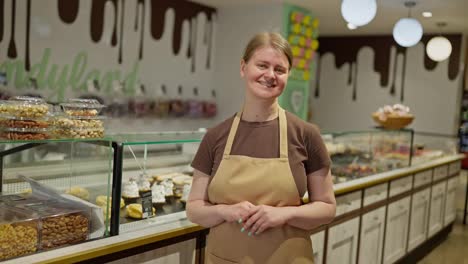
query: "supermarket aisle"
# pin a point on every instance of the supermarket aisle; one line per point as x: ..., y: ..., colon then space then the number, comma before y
x: 455, y: 248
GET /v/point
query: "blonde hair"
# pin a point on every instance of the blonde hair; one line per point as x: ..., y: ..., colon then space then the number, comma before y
x: 274, y: 40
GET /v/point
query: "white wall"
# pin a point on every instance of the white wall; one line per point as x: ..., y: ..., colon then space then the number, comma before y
x: 235, y: 27
x: 158, y: 66
x: 432, y: 97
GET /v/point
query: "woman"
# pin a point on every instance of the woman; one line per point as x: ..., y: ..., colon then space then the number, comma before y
x: 252, y: 170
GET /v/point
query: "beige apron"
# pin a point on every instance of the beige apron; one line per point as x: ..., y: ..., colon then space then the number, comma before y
x: 267, y: 181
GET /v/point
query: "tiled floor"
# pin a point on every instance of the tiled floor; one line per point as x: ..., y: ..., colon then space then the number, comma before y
x: 454, y: 250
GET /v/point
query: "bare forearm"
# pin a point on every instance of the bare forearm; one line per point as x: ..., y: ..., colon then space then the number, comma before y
x: 311, y: 215
x: 204, y: 213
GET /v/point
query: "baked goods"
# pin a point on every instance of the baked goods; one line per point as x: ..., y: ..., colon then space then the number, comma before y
x: 179, y: 182
x: 130, y: 192
x: 23, y: 123
x: 161, y: 177
x: 101, y: 200
x: 82, y: 107
x: 135, y: 211
x: 18, y: 233
x: 168, y: 189
x: 63, y: 230
x: 185, y: 193
x: 24, y: 107
x: 18, y: 135
x: 158, y: 195
x: 81, y: 120
x: 79, y: 192
x: 143, y: 183
x: 17, y: 240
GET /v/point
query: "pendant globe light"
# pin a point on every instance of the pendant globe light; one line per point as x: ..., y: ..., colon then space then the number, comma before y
x: 358, y: 12
x: 439, y: 48
x: 407, y: 32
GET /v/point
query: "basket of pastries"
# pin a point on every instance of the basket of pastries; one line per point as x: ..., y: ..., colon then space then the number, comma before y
x: 393, y: 117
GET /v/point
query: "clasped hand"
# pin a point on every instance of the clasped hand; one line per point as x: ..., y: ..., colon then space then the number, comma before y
x: 254, y: 219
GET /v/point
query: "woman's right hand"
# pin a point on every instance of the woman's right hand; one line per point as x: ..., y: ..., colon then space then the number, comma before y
x: 238, y: 212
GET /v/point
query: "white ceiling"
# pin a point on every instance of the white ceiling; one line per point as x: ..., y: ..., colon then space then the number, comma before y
x: 453, y: 12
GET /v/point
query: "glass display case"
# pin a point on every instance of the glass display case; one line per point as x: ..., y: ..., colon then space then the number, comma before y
x: 430, y: 146
x: 156, y: 178
x: 49, y: 190
x: 361, y: 153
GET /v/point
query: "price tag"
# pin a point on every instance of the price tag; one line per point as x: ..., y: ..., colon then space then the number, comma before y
x: 146, y: 204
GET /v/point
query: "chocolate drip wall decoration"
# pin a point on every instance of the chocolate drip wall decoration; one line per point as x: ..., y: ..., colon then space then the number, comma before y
x: 68, y: 10
x: 122, y: 16
x: 141, y: 3
x: 12, y: 44
x: 345, y: 50
x: 2, y: 17
x: 97, y: 20
x: 28, y: 30
x: 183, y: 10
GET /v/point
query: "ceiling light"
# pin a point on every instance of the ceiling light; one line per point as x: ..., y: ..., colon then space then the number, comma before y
x: 351, y: 26
x: 439, y: 48
x: 427, y: 14
x: 407, y: 32
x: 358, y: 12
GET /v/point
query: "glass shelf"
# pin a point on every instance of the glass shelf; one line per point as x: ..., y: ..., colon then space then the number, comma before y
x: 65, y: 140
x: 158, y: 137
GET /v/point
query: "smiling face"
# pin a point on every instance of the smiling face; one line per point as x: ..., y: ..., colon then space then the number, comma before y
x: 265, y: 73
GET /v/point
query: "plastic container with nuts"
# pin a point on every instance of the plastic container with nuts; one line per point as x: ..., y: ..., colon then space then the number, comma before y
x: 82, y: 107
x: 81, y: 119
x: 60, y: 225
x: 9, y: 121
x: 24, y: 133
x: 60, y: 132
x: 19, y: 234
x: 24, y: 107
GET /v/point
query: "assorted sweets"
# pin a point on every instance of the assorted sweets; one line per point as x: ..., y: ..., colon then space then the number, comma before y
x: 81, y: 119
x: 24, y: 118
x: 168, y: 190
x: 31, y: 118
x: 29, y: 225
x: 395, y: 116
x: 135, y: 211
x: 19, y: 234
x: 130, y: 191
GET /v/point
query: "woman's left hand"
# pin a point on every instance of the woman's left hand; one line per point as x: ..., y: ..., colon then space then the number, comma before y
x: 263, y: 217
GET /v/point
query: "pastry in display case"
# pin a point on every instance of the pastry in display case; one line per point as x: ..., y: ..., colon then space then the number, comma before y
x: 156, y: 174
x: 361, y: 153
x: 430, y: 146
x: 48, y: 193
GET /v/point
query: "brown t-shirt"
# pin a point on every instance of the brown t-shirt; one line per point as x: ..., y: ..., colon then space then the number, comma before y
x: 307, y: 152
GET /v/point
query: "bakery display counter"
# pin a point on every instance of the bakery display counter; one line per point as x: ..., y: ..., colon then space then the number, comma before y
x: 140, y: 182
x: 172, y: 238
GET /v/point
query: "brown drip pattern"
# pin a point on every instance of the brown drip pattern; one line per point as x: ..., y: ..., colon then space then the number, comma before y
x: 12, y: 44
x: 2, y: 17
x: 345, y: 50
x: 68, y: 10
x: 28, y: 30
x: 183, y: 10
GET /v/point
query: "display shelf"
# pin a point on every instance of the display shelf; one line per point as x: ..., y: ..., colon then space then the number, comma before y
x: 158, y: 138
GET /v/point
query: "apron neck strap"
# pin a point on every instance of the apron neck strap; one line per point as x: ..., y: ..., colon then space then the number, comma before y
x: 283, y: 133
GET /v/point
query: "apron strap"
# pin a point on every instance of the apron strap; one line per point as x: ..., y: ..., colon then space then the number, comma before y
x: 283, y: 133
x: 232, y: 134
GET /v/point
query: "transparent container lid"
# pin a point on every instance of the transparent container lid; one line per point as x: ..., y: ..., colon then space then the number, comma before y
x: 82, y: 104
